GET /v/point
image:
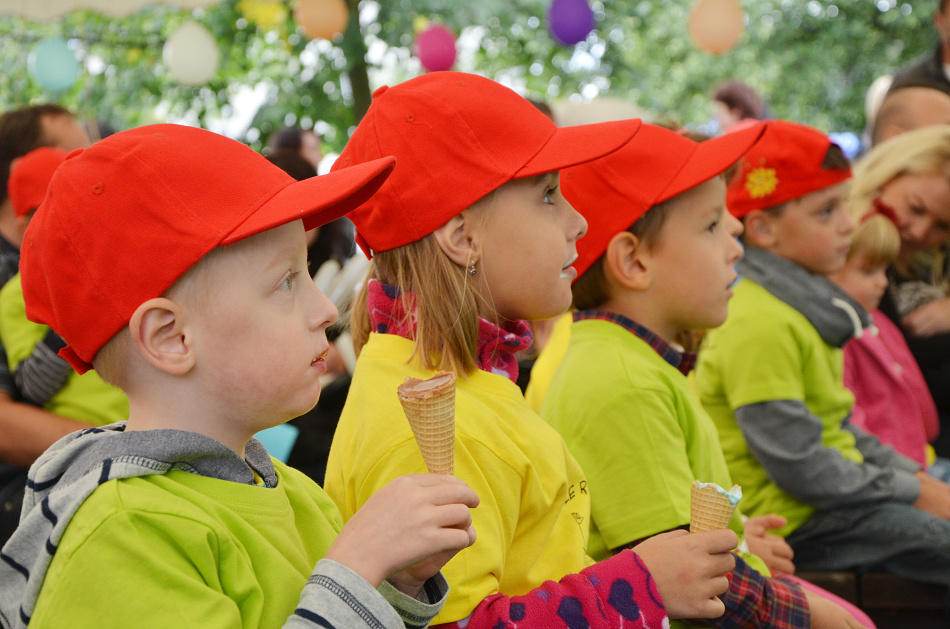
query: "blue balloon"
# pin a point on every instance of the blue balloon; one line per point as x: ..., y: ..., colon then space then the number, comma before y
x: 570, y: 21
x: 52, y: 64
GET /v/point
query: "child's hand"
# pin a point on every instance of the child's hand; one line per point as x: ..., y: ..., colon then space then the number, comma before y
x: 826, y: 614
x: 934, y: 496
x: 772, y: 549
x: 412, y: 526
x: 689, y: 570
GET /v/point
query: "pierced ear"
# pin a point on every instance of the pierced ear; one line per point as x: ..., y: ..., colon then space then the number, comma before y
x: 628, y: 262
x: 158, y: 331
x: 456, y: 239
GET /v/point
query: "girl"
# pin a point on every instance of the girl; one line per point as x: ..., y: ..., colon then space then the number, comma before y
x: 471, y: 238
x: 892, y: 401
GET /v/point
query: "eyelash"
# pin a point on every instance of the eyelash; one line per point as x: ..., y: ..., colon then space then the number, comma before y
x: 712, y: 226
x: 289, y: 281
x: 550, y: 192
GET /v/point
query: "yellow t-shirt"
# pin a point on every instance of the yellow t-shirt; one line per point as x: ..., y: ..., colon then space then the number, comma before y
x: 766, y: 350
x: 532, y: 522
x: 87, y: 397
x: 548, y: 360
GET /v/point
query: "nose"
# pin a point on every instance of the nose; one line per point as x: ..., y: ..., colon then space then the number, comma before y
x: 322, y: 313
x: 916, y: 230
x: 734, y: 228
x: 847, y: 221
x: 577, y: 224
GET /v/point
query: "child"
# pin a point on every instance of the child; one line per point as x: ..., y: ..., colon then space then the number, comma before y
x: 468, y: 238
x: 170, y: 259
x: 658, y: 260
x: 771, y: 377
x: 892, y: 401
x: 43, y: 378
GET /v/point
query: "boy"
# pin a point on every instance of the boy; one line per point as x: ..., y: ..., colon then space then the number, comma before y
x: 658, y: 260
x: 771, y: 377
x: 42, y: 377
x: 173, y: 261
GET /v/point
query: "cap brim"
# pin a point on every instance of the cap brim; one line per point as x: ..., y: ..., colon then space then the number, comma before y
x: 317, y: 200
x: 570, y: 146
x: 711, y: 158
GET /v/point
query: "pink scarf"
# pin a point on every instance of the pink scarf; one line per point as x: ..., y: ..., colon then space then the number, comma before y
x: 497, y: 346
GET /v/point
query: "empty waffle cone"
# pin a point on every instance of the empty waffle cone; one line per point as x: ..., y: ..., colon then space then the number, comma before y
x: 709, y: 508
x: 430, y: 408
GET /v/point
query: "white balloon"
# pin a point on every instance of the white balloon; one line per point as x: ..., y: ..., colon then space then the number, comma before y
x: 191, y: 54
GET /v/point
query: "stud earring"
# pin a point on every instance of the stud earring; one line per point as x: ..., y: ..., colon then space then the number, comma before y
x: 471, y: 268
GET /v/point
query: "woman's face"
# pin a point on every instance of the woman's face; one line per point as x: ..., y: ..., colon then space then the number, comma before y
x: 922, y: 204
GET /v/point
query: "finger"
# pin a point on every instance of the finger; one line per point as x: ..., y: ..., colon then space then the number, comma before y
x: 453, y: 516
x: 721, y: 564
x: 773, y: 521
x: 780, y: 565
x: 452, y: 493
x: 711, y: 608
x: 719, y: 541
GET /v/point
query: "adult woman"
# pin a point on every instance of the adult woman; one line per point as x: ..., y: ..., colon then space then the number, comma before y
x: 910, y: 174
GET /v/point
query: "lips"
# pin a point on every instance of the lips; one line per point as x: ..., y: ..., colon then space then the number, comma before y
x: 567, y: 271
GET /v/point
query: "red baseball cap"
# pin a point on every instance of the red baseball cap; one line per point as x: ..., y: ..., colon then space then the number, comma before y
x: 30, y: 177
x: 613, y: 192
x: 457, y: 137
x: 785, y: 164
x: 128, y: 216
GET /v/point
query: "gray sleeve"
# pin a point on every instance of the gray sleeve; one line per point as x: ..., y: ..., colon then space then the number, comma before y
x: 785, y: 438
x: 7, y: 385
x: 43, y: 373
x: 878, y: 453
x: 335, y: 596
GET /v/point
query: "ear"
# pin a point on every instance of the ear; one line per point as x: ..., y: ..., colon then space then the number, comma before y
x: 759, y: 229
x: 457, y: 239
x: 628, y: 262
x: 158, y: 331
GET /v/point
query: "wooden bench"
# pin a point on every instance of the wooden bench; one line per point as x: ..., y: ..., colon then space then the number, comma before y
x: 890, y: 601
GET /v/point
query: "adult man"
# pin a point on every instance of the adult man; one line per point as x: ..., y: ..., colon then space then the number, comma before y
x: 933, y: 69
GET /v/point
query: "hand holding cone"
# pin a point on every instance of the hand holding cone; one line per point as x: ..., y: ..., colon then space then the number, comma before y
x: 711, y: 507
x: 430, y: 408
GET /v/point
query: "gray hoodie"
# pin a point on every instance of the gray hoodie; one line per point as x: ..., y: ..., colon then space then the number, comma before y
x: 797, y: 462
x: 66, y: 474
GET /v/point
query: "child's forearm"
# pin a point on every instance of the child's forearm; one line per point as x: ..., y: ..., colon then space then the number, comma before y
x: 618, y: 591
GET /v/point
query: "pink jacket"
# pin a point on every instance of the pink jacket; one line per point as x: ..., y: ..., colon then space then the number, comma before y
x: 892, y: 398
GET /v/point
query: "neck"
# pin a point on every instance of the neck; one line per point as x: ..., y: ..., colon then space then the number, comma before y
x: 642, y: 309
x: 8, y: 226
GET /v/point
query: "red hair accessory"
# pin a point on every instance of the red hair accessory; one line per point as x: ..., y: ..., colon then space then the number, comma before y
x: 883, y: 209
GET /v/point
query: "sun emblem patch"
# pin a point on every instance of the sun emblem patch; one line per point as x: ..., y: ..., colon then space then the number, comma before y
x: 761, y: 182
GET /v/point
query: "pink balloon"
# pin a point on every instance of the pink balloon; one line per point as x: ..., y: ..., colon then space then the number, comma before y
x: 435, y: 47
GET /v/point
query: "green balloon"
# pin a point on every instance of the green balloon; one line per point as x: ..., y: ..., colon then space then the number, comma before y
x: 52, y: 65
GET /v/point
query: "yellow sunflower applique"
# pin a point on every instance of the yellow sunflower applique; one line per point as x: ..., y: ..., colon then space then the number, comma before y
x: 761, y: 182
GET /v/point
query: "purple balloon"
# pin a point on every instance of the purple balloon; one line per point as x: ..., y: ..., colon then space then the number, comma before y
x: 570, y: 21
x: 435, y: 47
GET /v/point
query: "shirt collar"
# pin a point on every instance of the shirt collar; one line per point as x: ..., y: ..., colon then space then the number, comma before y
x: 682, y: 360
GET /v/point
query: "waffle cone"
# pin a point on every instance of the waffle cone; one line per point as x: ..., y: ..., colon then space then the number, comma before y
x: 709, y: 510
x: 430, y: 408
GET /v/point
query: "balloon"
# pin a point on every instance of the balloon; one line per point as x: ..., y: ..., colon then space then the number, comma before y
x: 264, y: 13
x: 435, y: 47
x: 570, y: 21
x: 52, y: 65
x: 715, y: 25
x: 322, y: 19
x: 191, y: 54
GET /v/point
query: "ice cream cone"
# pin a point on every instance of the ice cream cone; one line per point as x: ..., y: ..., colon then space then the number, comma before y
x: 430, y: 408
x: 710, y: 507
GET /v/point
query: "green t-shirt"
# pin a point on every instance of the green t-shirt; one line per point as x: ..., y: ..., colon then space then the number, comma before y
x: 183, y: 550
x: 634, y: 424
x: 766, y: 351
x: 87, y: 397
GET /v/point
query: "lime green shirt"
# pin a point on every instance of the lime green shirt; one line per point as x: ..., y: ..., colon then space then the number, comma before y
x: 766, y: 351
x: 191, y: 551
x: 87, y: 397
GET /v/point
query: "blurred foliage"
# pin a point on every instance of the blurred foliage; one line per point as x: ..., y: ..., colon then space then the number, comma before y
x: 813, y: 60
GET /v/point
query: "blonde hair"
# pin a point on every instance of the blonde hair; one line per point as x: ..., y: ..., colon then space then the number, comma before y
x: 446, y: 304
x: 924, y: 151
x: 876, y: 240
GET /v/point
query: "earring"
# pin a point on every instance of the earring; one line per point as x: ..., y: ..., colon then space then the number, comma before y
x: 471, y: 268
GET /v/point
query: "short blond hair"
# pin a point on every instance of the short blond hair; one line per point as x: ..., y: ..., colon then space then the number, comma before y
x: 112, y: 360
x: 875, y: 240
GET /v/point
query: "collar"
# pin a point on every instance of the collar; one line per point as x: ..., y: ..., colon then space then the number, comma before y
x: 393, y: 311
x: 682, y: 360
x: 836, y: 315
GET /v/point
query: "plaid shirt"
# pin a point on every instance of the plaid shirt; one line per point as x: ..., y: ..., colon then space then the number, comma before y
x: 684, y: 361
